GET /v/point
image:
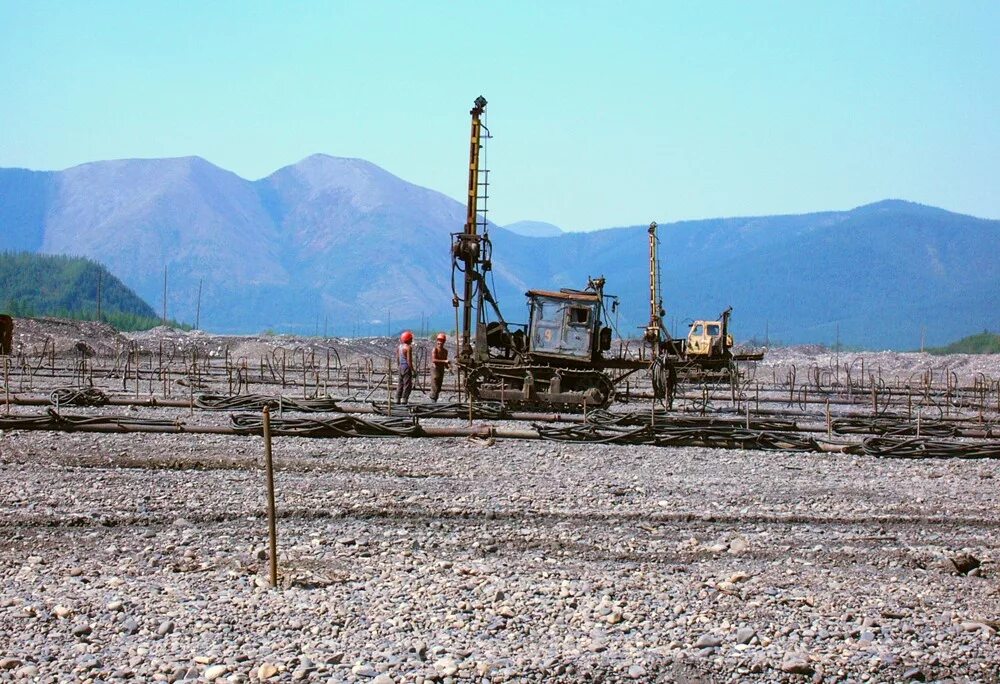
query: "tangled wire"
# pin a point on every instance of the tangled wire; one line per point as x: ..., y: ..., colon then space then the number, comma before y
x: 888, y: 425
x: 74, y: 396
x: 660, y: 418
x: 484, y: 410
x: 50, y: 420
x: 717, y: 437
x: 256, y: 402
x: 916, y: 447
x: 339, y: 426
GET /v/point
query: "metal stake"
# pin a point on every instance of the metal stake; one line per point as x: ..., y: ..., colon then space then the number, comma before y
x: 272, y: 528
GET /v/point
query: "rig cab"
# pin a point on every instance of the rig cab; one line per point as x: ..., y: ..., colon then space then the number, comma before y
x: 567, y: 325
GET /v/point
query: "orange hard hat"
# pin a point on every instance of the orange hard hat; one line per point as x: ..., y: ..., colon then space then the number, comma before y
x: 442, y: 337
x: 407, y: 336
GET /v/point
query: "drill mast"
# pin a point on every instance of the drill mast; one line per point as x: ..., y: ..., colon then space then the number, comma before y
x: 468, y: 248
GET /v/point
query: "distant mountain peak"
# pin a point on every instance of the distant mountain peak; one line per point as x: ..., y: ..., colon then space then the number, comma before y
x: 172, y: 163
x: 898, y: 205
x: 320, y: 172
x: 534, y: 229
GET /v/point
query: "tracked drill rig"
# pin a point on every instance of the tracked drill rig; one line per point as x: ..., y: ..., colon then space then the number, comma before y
x: 559, y: 359
x: 562, y: 357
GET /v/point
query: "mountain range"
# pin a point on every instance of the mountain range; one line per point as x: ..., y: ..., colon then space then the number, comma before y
x: 342, y: 245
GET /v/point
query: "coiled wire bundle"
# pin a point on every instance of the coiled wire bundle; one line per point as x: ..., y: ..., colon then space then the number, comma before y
x: 256, y: 402
x: 78, y: 396
x: 339, y: 426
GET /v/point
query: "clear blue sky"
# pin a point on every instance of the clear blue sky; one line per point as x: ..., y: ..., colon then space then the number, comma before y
x: 603, y: 114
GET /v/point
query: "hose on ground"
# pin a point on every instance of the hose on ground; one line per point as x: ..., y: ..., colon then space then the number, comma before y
x: 484, y: 410
x: 78, y: 396
x: 917, y: 447
x: 340, y: 426
x: 256, y: 402
x: 719, y: 437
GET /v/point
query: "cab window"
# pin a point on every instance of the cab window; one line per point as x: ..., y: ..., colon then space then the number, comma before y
x: 698, y: 330
x: 714, y: 329
x: 579, y: 315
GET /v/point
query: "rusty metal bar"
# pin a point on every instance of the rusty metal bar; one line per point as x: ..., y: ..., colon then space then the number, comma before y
x: 272, y: 529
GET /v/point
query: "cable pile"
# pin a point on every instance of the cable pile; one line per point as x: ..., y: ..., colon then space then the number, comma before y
x: 55, y: 421
x: 77, y: 396
x: 339, y: 426
x: 604, y: 418
x: 885, y: 447
x: 257, y: 402
x: 485, y: 410
x: 888, y: 425
x: 717, y: 437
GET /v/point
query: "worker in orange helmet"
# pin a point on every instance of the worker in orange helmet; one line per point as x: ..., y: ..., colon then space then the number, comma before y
x: 439, y: 361
x: 404, y: 356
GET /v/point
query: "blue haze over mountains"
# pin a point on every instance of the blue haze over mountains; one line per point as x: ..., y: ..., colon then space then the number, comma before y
x: 343, y: 243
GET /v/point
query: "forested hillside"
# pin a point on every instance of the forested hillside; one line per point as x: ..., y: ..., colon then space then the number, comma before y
x: 985, y: 342
x: 46, y: 285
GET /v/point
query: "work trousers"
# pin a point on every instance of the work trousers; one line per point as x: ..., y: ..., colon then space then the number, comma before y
x: 404, y: 386
x: 437, y: 379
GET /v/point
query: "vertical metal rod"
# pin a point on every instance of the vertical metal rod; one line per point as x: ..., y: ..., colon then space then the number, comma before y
x: 164, y: 298
x: 197, y: 310
x: 272, y: 528
x: 458, y: 377
x: 163, y: 375
x: 191, y: 379
x: 6, y: 384
x: 829, y: 421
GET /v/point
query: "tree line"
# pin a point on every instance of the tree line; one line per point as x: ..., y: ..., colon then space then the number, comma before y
x: 70, y: 287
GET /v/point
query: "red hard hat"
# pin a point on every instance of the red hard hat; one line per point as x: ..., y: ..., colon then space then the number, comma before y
x: 407, y: 336
x: 442, y: 337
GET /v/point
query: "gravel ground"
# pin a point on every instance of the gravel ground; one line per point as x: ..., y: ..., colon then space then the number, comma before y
x: 144, y: 556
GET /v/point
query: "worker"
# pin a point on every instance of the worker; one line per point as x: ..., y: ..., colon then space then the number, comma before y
x: 404, y: 355
x: 439, y: 359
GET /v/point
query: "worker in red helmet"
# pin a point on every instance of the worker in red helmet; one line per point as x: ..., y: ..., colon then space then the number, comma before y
x: 404, y: 356
x: 439, y: 362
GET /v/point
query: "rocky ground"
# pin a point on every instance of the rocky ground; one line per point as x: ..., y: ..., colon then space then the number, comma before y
x: 144, y: 557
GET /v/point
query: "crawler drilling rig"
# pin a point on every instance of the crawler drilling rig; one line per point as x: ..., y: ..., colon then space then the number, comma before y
x: 559, y: 359
x: 562, y: 357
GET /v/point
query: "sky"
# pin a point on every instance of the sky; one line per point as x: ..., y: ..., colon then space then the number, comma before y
x: 602, y: 113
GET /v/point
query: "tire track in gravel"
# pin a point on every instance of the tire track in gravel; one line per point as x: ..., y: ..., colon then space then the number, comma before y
x: 550, y: 517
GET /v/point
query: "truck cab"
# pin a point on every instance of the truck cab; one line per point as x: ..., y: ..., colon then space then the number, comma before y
x: 710, y: 339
